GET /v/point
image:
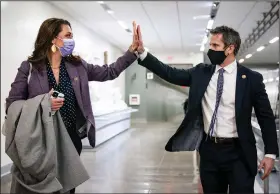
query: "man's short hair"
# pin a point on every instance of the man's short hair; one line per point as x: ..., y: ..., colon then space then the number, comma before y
x: 230, y: 37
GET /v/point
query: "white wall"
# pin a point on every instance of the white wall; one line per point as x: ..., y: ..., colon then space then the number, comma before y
x: 20, y: 22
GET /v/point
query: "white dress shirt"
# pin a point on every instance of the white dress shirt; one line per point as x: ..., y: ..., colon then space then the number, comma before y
x: 225, y: 125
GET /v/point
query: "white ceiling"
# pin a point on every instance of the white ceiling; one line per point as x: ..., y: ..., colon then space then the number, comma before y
x: 168, y: 26
x: 246, y: 15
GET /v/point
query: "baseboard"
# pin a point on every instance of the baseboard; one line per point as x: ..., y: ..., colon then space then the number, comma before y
x: 6, y: 169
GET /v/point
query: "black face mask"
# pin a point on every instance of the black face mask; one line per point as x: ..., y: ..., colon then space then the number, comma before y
x: 216, y: 57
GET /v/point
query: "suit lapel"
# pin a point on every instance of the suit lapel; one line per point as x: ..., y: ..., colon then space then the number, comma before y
x: 206, y: 77
x: 75, y: 80
x: 43, y: 78
x: 241, y: 81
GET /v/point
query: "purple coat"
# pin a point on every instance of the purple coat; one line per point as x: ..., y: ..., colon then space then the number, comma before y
x: 80, y: 74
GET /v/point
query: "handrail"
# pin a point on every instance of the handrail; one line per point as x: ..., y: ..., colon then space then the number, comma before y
x: 257, y: 133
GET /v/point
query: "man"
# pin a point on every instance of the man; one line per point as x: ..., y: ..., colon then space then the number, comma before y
x: 218, y: 119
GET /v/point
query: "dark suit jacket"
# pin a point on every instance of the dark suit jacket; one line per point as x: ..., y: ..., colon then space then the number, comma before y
x: 80, y: 73
x: 250, y: 92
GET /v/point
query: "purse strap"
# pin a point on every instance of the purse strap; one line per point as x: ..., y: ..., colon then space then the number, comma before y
x: 30, y: 70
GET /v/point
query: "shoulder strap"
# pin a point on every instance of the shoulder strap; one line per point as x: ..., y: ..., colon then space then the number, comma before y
x: 30, y: 70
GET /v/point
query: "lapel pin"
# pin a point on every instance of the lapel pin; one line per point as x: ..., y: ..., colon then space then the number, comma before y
x: 243, y: 76
x: 76, y: 78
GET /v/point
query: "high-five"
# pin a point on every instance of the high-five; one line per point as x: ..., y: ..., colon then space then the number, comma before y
x: 135, y: 40
x: 140, y: 48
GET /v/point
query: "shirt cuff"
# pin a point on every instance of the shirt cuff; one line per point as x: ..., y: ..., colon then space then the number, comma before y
x: 273, y: 156
x: 143, y: 55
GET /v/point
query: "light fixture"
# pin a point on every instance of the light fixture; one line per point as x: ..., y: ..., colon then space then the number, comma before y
x: 122, y: 24
x: 100, y: 2
x: 146, y: 49
x: 210, y: 24
x: 201, y: 17
x: 215, y: 4
x: 202, y: 48
x: 264, y: 81
x: 274, y: 40
x: 110, y: 11
x: 270, y: 80
x: 248, y: 56
x: 205, y: 39
x: 277, y: 79
x: 260, y: 48
x: 241, y: 60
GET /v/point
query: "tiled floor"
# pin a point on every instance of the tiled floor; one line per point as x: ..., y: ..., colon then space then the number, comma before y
x: 136, y: 162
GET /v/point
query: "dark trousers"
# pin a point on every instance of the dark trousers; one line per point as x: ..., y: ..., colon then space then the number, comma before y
x: 78, y: 145
x: 223, y: 167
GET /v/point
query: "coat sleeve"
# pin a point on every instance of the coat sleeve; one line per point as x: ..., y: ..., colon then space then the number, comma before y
x: 19, y: 88
x: 265, y: 117
x: 182, y: 77
x: 109, y: 72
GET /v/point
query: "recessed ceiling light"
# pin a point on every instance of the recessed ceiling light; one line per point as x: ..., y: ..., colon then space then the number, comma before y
x: 274, y: 40
x: 110, y: 11
x: 270, y: 80
x: 100, y: 2
x: 199, y: 17
x: 277, y: 79
x: 202, y: 48
x: 122, y: 24
x: 210, y: 24
x: 260, y: 48
x: 205, y: 39
x: 248, y: 56
x: 241, y: 61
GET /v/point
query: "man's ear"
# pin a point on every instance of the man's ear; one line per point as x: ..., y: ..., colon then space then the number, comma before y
x: 232, y: 48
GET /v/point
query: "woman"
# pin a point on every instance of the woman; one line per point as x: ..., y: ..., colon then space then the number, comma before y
x: 54, y: 68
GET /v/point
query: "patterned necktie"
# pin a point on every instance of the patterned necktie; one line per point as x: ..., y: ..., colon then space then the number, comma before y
x: 220, y: 85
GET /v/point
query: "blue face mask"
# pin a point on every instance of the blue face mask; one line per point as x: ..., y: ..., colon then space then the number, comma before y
x: 68, y: 47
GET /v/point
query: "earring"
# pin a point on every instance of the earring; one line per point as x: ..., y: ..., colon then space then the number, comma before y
x: 53, y: 48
